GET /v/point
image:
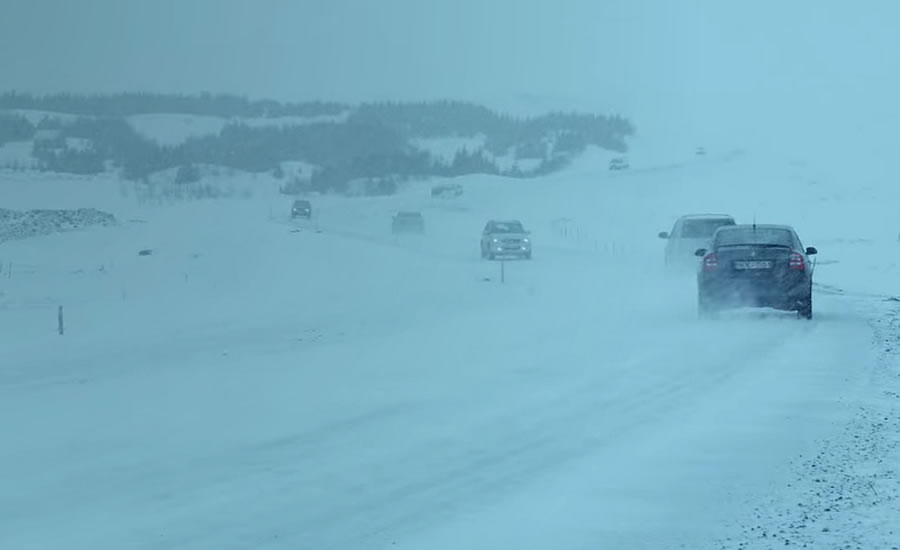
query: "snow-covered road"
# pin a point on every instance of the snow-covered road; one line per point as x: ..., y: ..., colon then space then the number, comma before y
x: 560, y: 420
x: 347, y: 390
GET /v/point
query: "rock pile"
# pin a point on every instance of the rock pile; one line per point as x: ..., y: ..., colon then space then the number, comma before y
x: 16, y: 224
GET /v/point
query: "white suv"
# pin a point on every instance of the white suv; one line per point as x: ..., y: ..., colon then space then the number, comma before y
x: 689, y: 233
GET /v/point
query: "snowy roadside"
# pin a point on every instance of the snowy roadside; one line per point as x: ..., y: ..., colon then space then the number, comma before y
x: 848, y: 495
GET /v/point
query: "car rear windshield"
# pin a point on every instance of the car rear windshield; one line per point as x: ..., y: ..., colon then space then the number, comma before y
x: 702, y: 229
x: 508, y: 227
x: 758, y: 236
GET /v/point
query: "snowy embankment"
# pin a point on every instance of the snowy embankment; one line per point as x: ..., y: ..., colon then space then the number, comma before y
x: 255, y: 384
x: 34, y: 223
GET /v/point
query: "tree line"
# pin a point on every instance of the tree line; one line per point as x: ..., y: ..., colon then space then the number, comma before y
x: 375, y: 141
x: 139, y: 103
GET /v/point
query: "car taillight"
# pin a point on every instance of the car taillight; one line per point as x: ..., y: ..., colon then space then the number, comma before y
x: 710, y: 262
x: 797, y: 263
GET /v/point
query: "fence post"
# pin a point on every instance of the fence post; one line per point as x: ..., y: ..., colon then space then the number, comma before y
x: 59, y: 316
x: 502, y: 271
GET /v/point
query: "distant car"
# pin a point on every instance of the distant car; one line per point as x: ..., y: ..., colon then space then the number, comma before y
x: 505, y: 238
x: 701, y: 151
x: 301, y: 209
x: 755, y: 266
x: 408, y: 222
x: 690, y: 232
x: 618, y: 163
x: 447, y: 190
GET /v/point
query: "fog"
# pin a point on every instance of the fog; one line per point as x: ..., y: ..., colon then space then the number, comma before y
x: 765, y: 70
x: 218, y: 371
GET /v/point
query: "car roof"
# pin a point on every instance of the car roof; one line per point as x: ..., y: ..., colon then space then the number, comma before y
x: 707, y: 217
x: 757, y: 226
x: 408, y: 213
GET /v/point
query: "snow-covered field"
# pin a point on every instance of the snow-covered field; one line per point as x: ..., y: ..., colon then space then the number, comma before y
x: 252, y: 383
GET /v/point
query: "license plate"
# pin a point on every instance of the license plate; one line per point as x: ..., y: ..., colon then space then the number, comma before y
x: 753, y: 264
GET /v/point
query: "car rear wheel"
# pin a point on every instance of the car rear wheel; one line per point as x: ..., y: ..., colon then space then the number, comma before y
x: 705, y: 308
x: 805, y: 309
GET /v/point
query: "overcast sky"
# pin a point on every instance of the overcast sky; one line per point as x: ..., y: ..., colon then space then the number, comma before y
x: 733, y: 60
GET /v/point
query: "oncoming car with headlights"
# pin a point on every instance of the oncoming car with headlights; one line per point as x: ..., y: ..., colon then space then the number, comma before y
x: 505, y: 238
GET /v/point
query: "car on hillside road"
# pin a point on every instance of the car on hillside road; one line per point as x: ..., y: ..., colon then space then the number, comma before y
x: 408, y: 222
x: 690, y: 232
x: 505, y: 238
x: 301, y: 209
x: 618, y: 164
x: 750, y: 265
x: 447, y: 190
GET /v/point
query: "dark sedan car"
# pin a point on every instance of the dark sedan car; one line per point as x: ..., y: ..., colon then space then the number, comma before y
x: 301, y: 209
x: 408, y: 222
x: 755, y: 266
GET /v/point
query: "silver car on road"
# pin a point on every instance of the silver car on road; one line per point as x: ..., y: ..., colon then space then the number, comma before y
x: 690, y: 232
x: 505, y: 238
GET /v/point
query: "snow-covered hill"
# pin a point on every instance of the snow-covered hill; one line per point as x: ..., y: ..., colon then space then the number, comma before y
x: 161, y: 131
x: 174, y: 129
x: 228, y: 377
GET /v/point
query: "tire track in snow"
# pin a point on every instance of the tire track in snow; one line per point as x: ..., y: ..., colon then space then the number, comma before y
x: 534, y: 450
x: 418, y: 483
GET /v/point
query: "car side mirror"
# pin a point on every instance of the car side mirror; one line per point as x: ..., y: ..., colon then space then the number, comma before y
x: 663, y: 235
x: 811, y: 251
x: 700, y: 252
